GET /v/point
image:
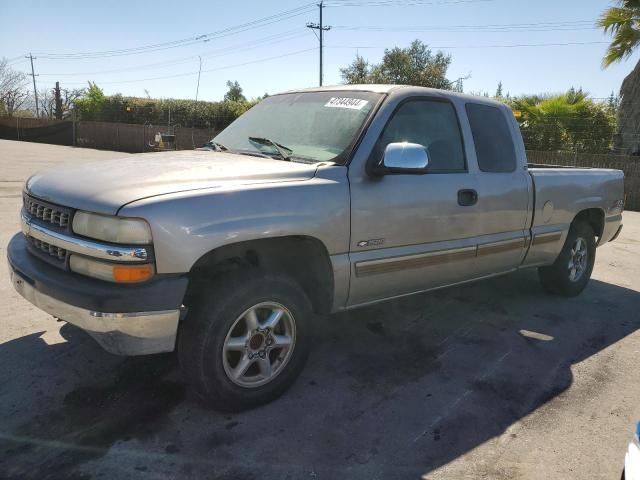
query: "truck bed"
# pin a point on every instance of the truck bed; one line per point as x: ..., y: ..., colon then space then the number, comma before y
x: 546, y: 165
x: 567, y: 190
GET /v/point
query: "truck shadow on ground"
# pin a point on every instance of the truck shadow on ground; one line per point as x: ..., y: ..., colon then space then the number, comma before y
x: 391, y: 391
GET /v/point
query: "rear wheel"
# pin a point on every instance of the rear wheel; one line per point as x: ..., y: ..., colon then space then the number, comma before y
x: 571, y: 272
x: 246, y: 340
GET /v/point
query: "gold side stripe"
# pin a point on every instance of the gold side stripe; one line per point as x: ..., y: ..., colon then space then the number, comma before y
x: 501, y: 247
x: 393, y: 264
x: 386, y: 265
x: 542, y: 238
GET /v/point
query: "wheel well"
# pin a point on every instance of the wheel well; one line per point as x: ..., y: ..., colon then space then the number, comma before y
x: 305, y: 259
x: 593, y: 217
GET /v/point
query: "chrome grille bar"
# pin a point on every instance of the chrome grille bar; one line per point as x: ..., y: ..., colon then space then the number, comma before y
x: 46, y: 212
x: 85, y: 247
x: 52, y: 250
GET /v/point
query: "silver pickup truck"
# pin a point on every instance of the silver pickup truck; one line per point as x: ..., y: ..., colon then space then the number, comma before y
x: 313, y: 201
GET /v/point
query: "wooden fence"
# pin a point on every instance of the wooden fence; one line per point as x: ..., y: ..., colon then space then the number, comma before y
x: 58, y: 132
x: 135, y: 138
x: 628, y: 164
x: 121, y: 137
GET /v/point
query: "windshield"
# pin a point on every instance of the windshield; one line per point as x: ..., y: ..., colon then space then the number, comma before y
x: 313, y: 126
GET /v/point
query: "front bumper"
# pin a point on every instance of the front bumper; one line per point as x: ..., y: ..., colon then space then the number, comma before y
x: 124, y: 319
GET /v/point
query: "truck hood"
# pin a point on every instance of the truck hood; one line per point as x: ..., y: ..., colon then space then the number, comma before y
x: 106, y: 186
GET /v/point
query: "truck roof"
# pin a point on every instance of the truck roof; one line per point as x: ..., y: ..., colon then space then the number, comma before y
x: 409, y: 89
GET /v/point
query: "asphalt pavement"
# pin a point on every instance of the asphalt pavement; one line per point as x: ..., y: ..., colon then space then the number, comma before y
x: 494, y: 380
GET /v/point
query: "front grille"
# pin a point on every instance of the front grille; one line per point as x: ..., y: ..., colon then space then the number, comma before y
x: 51, y: 250
x: 47, y: 212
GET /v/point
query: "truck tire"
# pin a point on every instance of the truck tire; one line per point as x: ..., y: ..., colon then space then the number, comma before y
x: 245, y: 340
x: 571, y: 272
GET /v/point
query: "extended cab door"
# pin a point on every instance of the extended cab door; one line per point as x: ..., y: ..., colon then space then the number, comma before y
x: 504, y: 188
x: 413, y: 232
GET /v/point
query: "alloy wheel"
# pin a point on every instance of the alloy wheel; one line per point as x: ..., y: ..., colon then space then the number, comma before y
x: 578, y: 259
x: 259, y: 344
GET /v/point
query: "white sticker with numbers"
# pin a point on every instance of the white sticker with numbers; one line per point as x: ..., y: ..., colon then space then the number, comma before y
x: 346, y: 102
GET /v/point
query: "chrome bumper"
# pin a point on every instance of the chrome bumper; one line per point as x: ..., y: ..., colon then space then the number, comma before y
x: 134, y: 333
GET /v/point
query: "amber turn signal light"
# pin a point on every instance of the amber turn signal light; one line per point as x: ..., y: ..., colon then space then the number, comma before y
x: 132, y: 273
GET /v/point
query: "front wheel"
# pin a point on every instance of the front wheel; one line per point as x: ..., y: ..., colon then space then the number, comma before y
x: 246, y: 340
x: 571, y: 271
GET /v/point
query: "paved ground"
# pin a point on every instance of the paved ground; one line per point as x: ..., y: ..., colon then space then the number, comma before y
x: 491, y: 380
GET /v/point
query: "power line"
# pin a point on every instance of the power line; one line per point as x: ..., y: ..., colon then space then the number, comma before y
x: 514, y: 45
x: 190, y: 41
x: 16, y: 60
x: 510, y: 25
x: 186, y: 74
x: 278, y: 17
x: 493, y: 28
x: 288, y: 35
x: 271, y: 39
x: 453, y: 30
x: 405, y: 3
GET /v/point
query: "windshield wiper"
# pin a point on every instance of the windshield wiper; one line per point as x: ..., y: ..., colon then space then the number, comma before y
x: 217, y: 146
x: 282, y: 150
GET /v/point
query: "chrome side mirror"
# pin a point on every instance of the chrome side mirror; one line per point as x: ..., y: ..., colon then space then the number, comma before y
x: 405, y: 157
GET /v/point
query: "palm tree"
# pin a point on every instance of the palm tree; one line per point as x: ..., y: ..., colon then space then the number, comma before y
x: 569, y: 121
x: 623, y: 22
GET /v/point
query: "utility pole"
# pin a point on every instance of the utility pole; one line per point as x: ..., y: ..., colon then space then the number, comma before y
x: 199, y: 71
x: 321, y: 28
x: 58, y: 110
x: 35, y: 92
x: 195, y: 105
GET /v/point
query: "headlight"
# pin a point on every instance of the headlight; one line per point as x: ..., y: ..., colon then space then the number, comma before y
x: 112, y: 229
x: 111, y: 272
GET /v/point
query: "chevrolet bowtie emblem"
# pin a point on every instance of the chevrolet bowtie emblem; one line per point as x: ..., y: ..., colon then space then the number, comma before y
x: 371, y: 243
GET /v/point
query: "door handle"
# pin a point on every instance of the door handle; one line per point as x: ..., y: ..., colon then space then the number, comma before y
x: 467, y: 197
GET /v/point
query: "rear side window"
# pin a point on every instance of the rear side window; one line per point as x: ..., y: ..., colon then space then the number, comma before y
x: 433, y: 124
x: 492, y: 138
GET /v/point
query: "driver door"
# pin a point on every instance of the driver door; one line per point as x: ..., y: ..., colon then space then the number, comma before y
x: 414, y: 232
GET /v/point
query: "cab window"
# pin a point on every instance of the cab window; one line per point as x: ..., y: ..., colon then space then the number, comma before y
x: 433, y: 124
x: 492, y: 138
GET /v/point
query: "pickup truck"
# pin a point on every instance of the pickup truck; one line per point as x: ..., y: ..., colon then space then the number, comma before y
x: 312, y: 202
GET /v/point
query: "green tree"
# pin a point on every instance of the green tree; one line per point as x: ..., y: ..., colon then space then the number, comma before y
x: 92, y: 102
x: 234, y: 94
x: 499, y: 90
x: 414, y: 65
x: 357, y: 72
x: 570, y: 121
x: 94, y: 95
x: 185, y: 113
x: 623, y: 22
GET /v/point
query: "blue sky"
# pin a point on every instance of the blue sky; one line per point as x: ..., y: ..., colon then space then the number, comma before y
x: 283, y: 54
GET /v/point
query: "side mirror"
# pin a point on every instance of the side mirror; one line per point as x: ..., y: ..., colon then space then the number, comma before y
x: 404, y: 157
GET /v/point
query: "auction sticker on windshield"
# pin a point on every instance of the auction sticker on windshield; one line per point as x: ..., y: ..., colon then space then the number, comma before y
x: 346, y: 102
